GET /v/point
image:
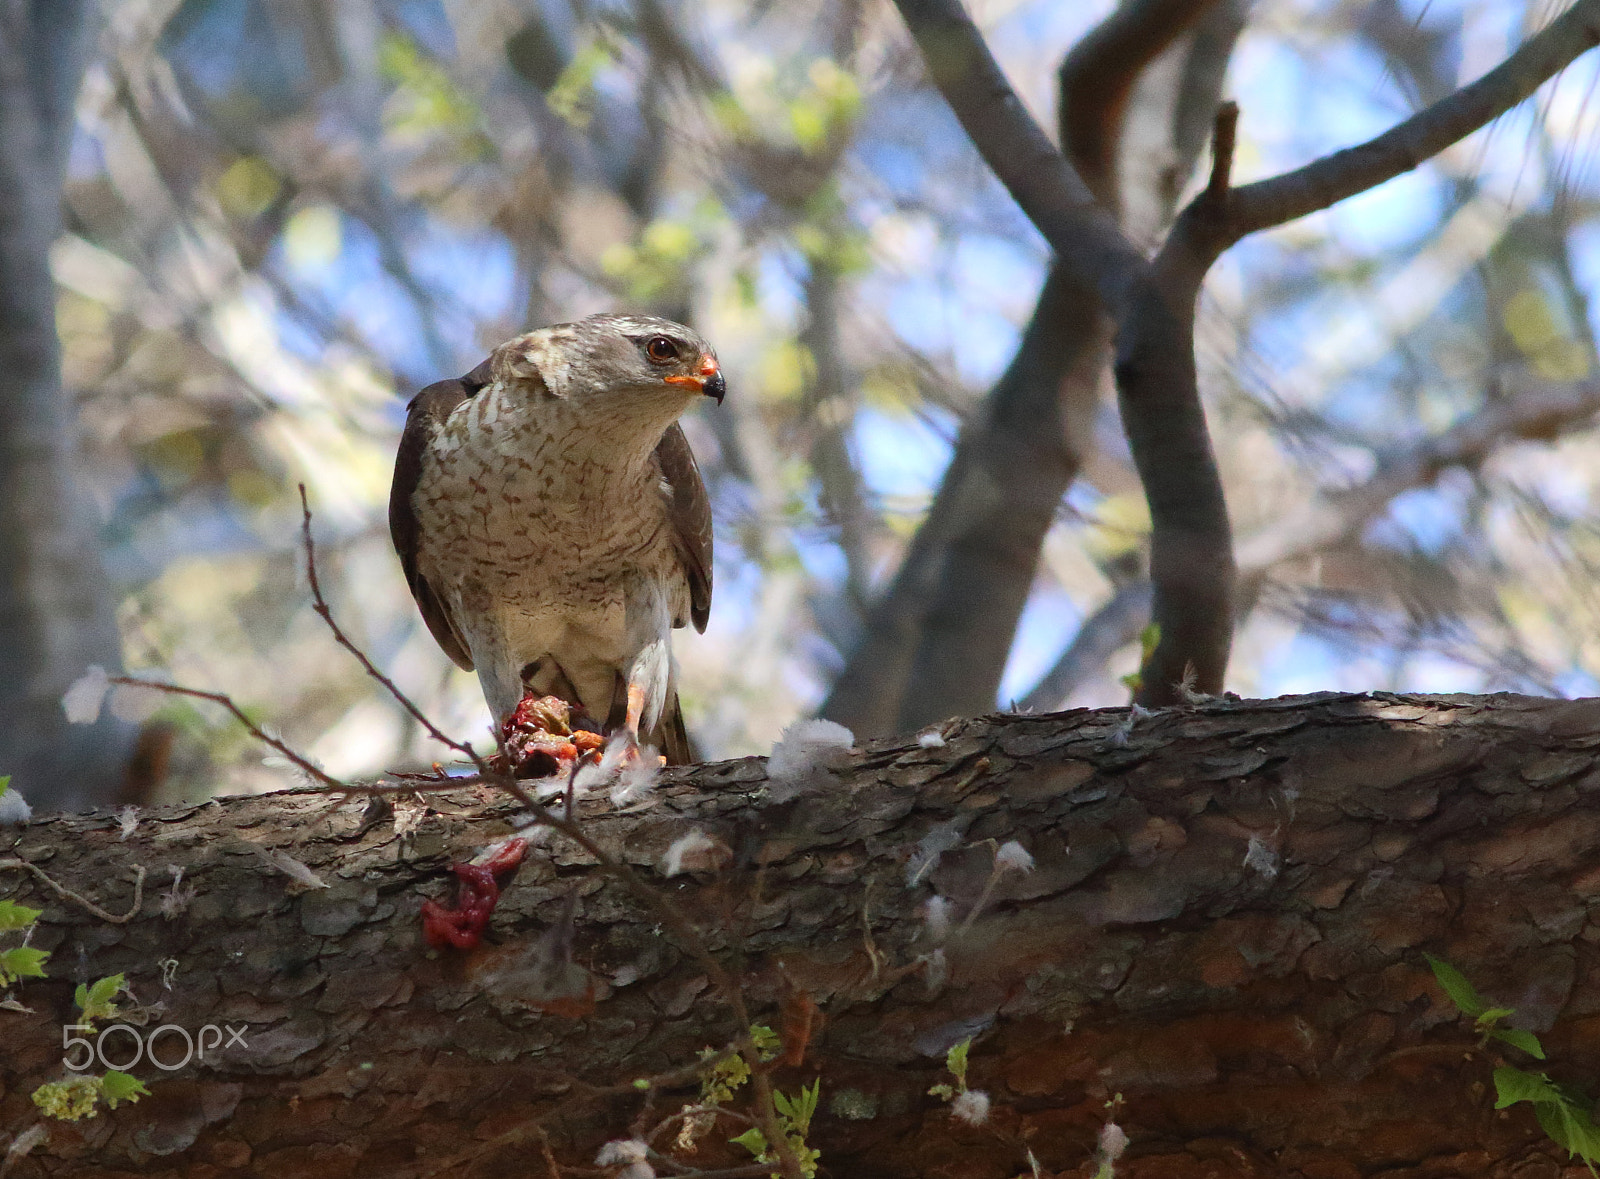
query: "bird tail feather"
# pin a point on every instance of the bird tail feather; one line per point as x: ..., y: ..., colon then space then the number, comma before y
x: 672, y: 737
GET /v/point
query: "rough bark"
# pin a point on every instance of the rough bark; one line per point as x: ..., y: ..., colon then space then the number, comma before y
x: 56, y: 609
x: 1226, y: 925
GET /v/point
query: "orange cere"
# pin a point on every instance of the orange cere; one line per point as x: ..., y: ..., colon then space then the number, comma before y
x: 708, y: 369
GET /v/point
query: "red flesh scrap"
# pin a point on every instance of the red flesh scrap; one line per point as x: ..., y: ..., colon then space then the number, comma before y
x: 463, y: 926
x: 538, y: 739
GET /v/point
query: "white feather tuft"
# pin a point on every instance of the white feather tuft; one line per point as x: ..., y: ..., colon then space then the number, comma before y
x: 175, y: 901
x: 1012, y: 857
x: 804, y: 753
x: 972, y: 1107
x: 621, y: 1150
x: 1258, y: 857
x: 81, y: 702
x: 636, y: 779
x: 930, y: 847
x: 13, y: 807
x: 24, y: 1142
x: 694, y: 852
x: 631, y: 1154
x: 1113, y: 1141
x: 932, y: 739
x: 936, y: 971
x: 291, y: 867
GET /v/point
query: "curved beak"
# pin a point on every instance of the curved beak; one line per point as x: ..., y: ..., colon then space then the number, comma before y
x: 715, y: 386
x: 708, y: 380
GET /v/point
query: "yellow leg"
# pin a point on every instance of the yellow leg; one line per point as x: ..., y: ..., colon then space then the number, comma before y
x: 635, y: 711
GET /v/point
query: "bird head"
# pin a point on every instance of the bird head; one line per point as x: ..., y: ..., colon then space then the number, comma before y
x: 618, y: 365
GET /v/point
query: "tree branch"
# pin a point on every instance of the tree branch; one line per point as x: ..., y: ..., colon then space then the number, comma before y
x: 1539, y: 409
x: 1343, y: 174
x: 1097, y: 78
x: 1191, y: 554
x: 936, y: 643
x: 57, y: 612
x: 1191, y: 541
x: 1084, y: 235
x: 1536, y: 409
x: 1229, y: 903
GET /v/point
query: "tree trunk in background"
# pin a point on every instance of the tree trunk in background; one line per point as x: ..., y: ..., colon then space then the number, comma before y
x: 56, y: 610
x: 937, y: 642
x: 1225, y: 925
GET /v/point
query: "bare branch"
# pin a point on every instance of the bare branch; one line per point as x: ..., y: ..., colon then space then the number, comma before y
x: 1098, y: 76
x: 1225, y: 130
x: 309, y: 768
x: 1105, y: 632
x: 78, y: 898
x: 1345, y: 173
x: 946, y: 622
x: 1540, y: 409
x: 320, y: 605
x: 1191, y: 541
x: 1083, y: 234
x: 57, y: 608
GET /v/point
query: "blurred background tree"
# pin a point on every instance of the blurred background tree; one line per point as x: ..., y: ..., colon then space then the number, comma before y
x: 282, y: 217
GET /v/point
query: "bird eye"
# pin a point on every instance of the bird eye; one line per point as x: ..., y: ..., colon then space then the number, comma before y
x: 661, y: 350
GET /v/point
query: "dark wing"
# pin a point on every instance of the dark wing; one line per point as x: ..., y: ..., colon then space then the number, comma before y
x: 427, y: 409
x: 689, y: 510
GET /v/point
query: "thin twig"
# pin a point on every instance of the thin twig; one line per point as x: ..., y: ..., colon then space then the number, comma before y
x: 544, y: 1149
x: 1343, y: 174
x: 1225, y: 130
x: 675, y: 919
x: 587, y: 1100
x: 325, y: 612
x: 669, y: 913
x: 79, y: 898
x: 255, y: 730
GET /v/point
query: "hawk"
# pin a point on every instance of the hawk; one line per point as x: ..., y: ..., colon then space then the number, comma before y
x: 553, y: 525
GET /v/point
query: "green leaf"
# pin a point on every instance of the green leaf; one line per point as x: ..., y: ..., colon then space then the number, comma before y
x: 1512, y: 1085
x: 767, y: 1041
x: 1462, y: 993
x: 1149, y: 640
x: 752, y: 1140
x: 68, y: 1100
x: 807, y: 1105
x: 1519, y: 1038
x: 570, y: 96
x: 96, y: 999
x: 1492, y: 1016
x: 1572, y: 1129
x: 121, y: 1087
x: 956, y: 1061
x: 15, y: 916
x: 942, y: 1092
x: 5, y: 783
x: 21, y: 962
